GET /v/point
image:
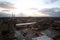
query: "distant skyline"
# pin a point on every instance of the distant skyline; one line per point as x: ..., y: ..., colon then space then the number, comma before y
x: 28, y: 7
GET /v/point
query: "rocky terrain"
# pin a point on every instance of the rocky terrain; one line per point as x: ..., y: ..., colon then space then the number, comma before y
x: 42, y: 23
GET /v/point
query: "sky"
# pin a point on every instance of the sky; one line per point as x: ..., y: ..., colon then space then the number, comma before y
x: 27, y: 7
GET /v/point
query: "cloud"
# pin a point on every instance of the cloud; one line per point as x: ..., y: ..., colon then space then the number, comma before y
x: 53, y: 12
x: 4, y: 8
x: 6, y: 5
x: 33, y: 8
x: 50, y: 1
x: 53, y: 1
x: 5, y: 14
